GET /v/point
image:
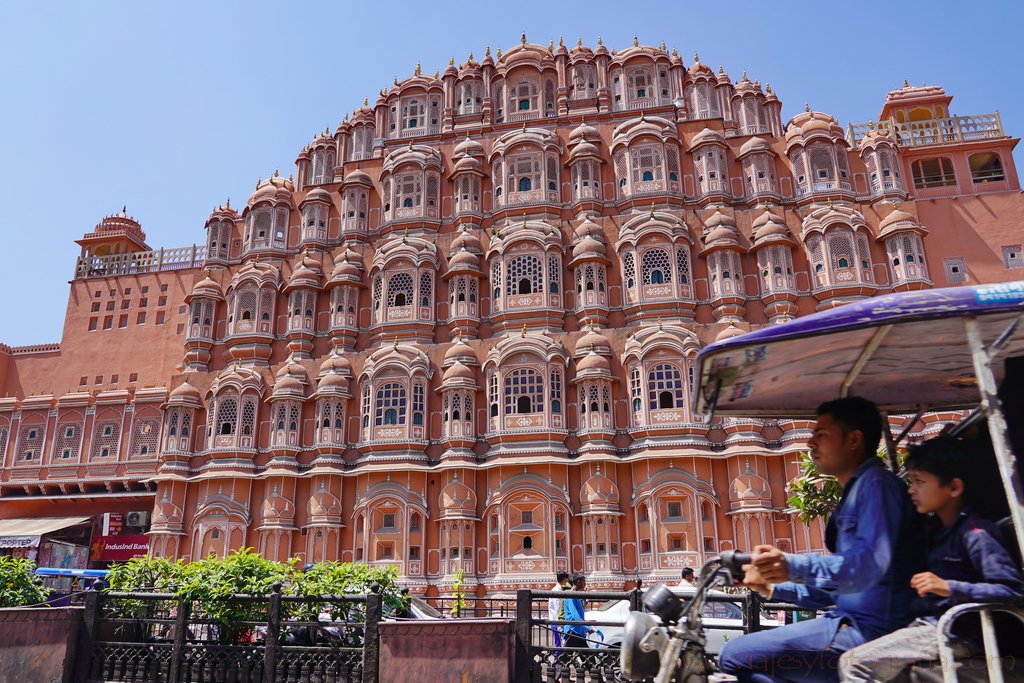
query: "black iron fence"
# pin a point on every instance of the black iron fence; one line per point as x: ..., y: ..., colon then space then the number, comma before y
x: 543, y: 655
x: 158, y: 638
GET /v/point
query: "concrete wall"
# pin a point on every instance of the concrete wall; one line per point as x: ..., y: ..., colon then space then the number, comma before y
x: 452, y: 651
x: 38, y: 645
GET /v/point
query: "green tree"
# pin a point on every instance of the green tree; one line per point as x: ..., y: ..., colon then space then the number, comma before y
x: 459, y: 593
x: 812, y: 494
x: 18, y: 583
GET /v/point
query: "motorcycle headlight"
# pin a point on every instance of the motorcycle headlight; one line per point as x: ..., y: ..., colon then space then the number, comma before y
x: 642, y: 641
x: 662, y: 601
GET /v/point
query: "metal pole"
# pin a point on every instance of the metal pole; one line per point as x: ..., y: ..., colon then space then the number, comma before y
x: 990, y: 403
x: 524, y: 620
x: 180, y: 633
x: 270, y: 642
x: 371, y: 637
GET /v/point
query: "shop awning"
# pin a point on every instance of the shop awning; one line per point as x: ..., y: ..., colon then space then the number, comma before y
x: 25, y: 533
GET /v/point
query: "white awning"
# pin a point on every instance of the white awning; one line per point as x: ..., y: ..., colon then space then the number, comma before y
x: 25, y: 533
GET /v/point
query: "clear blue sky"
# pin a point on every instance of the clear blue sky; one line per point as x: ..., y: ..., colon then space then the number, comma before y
x: 171, y: 107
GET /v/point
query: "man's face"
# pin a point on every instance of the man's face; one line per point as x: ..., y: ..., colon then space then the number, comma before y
x: 832, y: 451
x: 580, y: 585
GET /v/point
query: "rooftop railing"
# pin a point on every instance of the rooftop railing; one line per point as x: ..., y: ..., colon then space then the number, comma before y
x: 179, y: 258
x: 941, y: 131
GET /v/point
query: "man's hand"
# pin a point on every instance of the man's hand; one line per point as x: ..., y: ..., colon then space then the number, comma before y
x: 771, y: 563
x: 926, y: 582
x: 753, y: 580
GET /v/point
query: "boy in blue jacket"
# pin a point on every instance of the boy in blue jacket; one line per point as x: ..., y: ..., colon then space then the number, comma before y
x: 966, y: 563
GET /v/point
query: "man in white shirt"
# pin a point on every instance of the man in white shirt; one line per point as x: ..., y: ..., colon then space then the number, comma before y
x: 687, y: 578
x: 555, y: 605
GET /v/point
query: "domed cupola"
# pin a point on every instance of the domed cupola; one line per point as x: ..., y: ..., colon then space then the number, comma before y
x: 302, y: 288
x: 307, y: 274
x: 202, y: 303
x: 463, y: 279
x: 275, y: 190
x: 593, y: 381
x: 457, y: 501
x: 758, y: 160
x: 460, y: 352
x: 290, y: 382
x: 185, y: 395
x: 278, y: 511
x: 599, y: 494
x: 904, y: 237
x: 458, y: 375
x: 723, y: 252
x: 347, y: 278
x: 267, y: 215
x: 207, y: 288
x: 220, y: 227
x: 708, y: 149
x: 458, y: 398
x: 881, y: 158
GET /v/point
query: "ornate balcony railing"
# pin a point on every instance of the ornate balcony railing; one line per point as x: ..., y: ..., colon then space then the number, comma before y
x: 941, y: 131
x: 179, y: 258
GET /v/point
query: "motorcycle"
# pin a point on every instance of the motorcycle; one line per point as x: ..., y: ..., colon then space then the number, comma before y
x: 674, y: 648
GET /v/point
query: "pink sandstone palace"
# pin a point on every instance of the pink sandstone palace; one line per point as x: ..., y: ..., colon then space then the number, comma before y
x: 461, y: 335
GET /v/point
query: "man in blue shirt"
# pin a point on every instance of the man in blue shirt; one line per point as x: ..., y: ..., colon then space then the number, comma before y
x: 874, y: 539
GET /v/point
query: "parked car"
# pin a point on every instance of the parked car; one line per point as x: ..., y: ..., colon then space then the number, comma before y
x: 722, y: 620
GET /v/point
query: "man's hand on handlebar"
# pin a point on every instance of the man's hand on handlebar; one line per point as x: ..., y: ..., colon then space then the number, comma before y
x: 753, y: 580
x: 771, y: 563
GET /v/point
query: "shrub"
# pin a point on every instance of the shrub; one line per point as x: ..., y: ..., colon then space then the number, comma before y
x: 18, y: 583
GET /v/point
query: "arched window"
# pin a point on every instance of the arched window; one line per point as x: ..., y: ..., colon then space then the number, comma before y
x: 525, y: 267
x: 655, y: 267
x: 986, y: 167
x: 665, y: 387
x: 524, y: 391
x: 390, y: 404
x: 227, y: 415
x: 933, y: 173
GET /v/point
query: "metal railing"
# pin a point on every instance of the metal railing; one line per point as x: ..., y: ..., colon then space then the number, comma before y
x: 132, y: 637
x: 940, y: 131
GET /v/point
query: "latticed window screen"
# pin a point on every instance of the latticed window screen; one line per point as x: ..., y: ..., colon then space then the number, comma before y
x: 672, y: 162
x: 30, y: 441
x: 497, y: 177
x: 647, y: 164
x: 418, y: 403
x: 145, y: 433
x: 629, y: 269
x: 524, y: 275
x: 799, y: 167
x: 366, y: 405
x: 523, y: 96
x: 956, y: 270
x: 636, y: 390
x: 683, y: 264
x: 248, y: 422
x: 621, y: 172
x: 552, y: 173
x: 390, y: 405
x: 408, y: 191
x: 400, y: 290
x: 105, y: 439
x: 3, y: 439
x: 245, y: 304
x: 656, y: 267
x: 172, y: 422
x: 524, y: 391
x: 68, y: 439
x: 227, y: 416
x: 524, y: 171
x: 582, y: 82
x: 821, y: 157
x: 864, y: 252
x: 840, y: 249
x: 1012, y: 257
x: 433, y: 189
x: 377, y: 288
x: 748, y: 111
x: 492, y: 392
x: 267, y: 295
x: 556, y: 390
x: 554, y: 274
x: 426, y: 289
x: 665, y: 387
x: 413, y: 114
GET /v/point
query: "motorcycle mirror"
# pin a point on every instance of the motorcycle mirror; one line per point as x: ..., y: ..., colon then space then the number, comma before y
x: 642, y: 642
x: 732, y: 561
x: 662, y: 601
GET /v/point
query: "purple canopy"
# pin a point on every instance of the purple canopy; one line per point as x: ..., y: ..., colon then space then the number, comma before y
x: 903, y: 351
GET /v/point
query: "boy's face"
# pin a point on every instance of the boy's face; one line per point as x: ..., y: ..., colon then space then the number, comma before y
x: 928, y: 492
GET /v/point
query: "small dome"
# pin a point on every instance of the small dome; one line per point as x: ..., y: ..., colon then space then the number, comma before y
x: 728, y: 333
x: 457, y: 497
x: 468, y: 148
x: 698, y: 69
x: 897, y: 216
x: 599, y: 490
x: 277, y: 509
x: 587, y: 227
x: 720, y: 230
x: 458, y: 371
x: 583, y: 150
x: 333, y: 382
x: 185, y: 394
x: 460, y: 352
x: 592, y: 341
x: 750, y: 490
x: 744, y: 85
x: 464, y: 259
x: 290, y: 381
x: 875, y: 137
x: 207, y: 288
x: 593, y: 363
x: 707, y: 136
x: 357, y: 177
x: 222, y: 213
x: 769, y: 228
x: 306, y: 274
x: 589, y: 245
x: 317, y: 194
x: 813, y: 123
x: 468, y: 240
x: 348, y: 268
x: 584, y: 132
x: 323, y: 506
x: 335, y: 362
x: 755, y: 144
x: 274, y: 189
x: 467, y: 165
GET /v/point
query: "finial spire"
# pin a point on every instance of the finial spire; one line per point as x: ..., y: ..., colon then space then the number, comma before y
x: 807, y: 106
x: 906, y: 83
x: 561, y: 41
x: 696, y: 58
x: 652, y: 209
x: 599, y: 41
x: 579, y: 41
x: 522, y: 38
x: 551, y: 46
x: 366, y: 101
x: 660, y: 326
x: 829, y: 202
x: 395, y: 345
x: 523, y: 332
x: 470, y: 58
x: 451, y: 61
x: 487, y: 52
x: 675, y: 52
x: 636, y: 42
x: 419, y: 69
x: 744, y: 75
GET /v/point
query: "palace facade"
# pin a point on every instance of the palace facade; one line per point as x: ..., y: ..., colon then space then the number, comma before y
x: 460, y: 335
